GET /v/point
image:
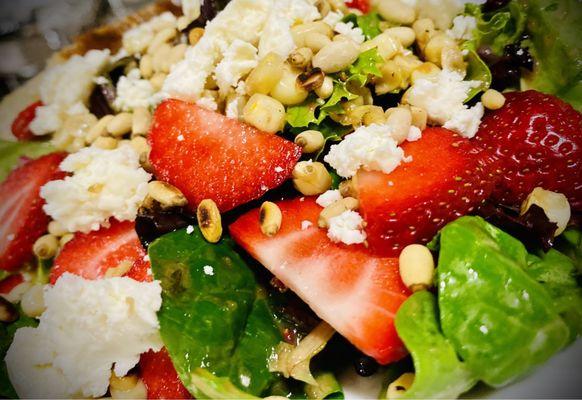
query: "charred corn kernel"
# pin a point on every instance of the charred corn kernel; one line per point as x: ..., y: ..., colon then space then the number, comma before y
x: 403, y: 34
x: 396, y: 11
x: 66, y: 238
x: 424, y: 30
x: 419, y: 117
x: 311, y: 178
x: 46, y: 247
x: 56, y: 228
x: 348, y: 189
x: 8, y: 313
x: 311, y: 80
x: 270, y: 218
x: 424, y: 71
x: 264, y: 113
x: 266, y: 75
x: 388, y: 46
x: 119, y: 270
x: 141, y: 121
x: 335, y: 209
x: 555, y: 206
x: 288, y: 90
x: 139, y: 144
x: 301, y: 57
x: 161, y: 38
x: 435, y: 46
x: 32, y: 302
x: 336, y: 56
x: 209, y: 220
x: 105, y: 143
x: 167, y: 195
x: 99, y: 129
x: 326, y: 88
x: 316, y: 41
x: 399, y: 387
x: 310, y: 141
x: 120, y: 124
x: 160, y: 58
x: 194, y: 35
x: 146, y: 66
x: 392, y: 78
x: 139, y: 391
x: 492, y: 99
x: 157, y: 80
x: 400, y: 120
x: 416, y: 267
x: 452, y: 59
x: 300, y: 32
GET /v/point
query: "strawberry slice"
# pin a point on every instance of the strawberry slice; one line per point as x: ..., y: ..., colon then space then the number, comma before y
x: 23, y: 220
x: 160, y: 376
x: 362, y: 5
x: 206, y: 155
x: 91, y: 254
x: 355, y: 292
x: 447, y: 178
x: 10, y: 282
x: 538, y: 139
x: 21, y: 125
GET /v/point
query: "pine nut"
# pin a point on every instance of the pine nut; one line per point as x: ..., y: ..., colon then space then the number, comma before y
x: 403, y: 34
x: 424, y: 30
x: 326, y: 89
x: 146, y: 66
x: 139, y: 391
x: 425, y: 71
x: 8, y: 313
x: 555, y: 206
x: 46, y: 247
x: 105, y: 143
x: 392, y: 78
x: 316, y: 41
x: 407, y: 64
x: 99, y: 129
x: 348, y: 189
x: 209, y: 220
x: 492, y: 99
x: 55, y: 228
x: 398, y: 388
x: 311, y: 80
x: 419, y: 117
x: 387, y: 45
x: 435, y: 46
x: 335, y: 209
x: 366, y: 115
x: 301, y: 57
x: 66, y: 238
x: 32, y: 302
x: 336, y: 56
x: 177, y: 53
x: 396, y: 11
x: 300, y: 32
x: 140, y: 145
x: 400, y: 120
x: 15, y: 295
x: 121, y: 269
x: 162, y: 37
x: 123, y: 383
x: 194, y: 36
x: 311, y: 178
x: 264, y: 113
x: 167, y: 195
x: 160, y: 58
x: 310, y: 141
x: 416, y: 267
x: 266, y: 75
x: 157, y: 80
x: 270, y: 218
x: 142, y: 119
x: 287, y: 90
x: 120, y: 124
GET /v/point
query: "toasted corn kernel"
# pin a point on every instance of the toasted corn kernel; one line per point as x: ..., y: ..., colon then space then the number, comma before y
x: 266, y: 75
x: 435, y: 46
x: 367, y: 115
x: 311, y: 80
x: 146, y: 66
x: 404, y: 34
x: 555, y: 206
x: 264, y: 113
x: 105, y: 143
x: 119, y: 270
x: 452, y: 59
x: 140, y: 145
x: 46, y: 247
x: 301, y: 57
x: 399, y: 387
x: 120, y: 124
x: 167, y: 195
x: 209, y: 220
x: 270, y: 218
x: 99, y: 129
x: 32, y: 302
x: 335, y: 209
x: 56, y: 228
x: 400, y: 120
x: 388, y: 46
x: 311, y: 178
x: 122, y: 383
x: 8, y: 313
x: 392, y: 78
x: 348, y: 189
x: 419, y: 117
x: 142, y: 119
x: 326, y: 88
x: 426, y: 70
x: 310, y: 141
x: 194, y: 35
x: 424, y: 30
x: 160, y: 58
x: 336, y: 56
x: 157, y: 80
x: 416, y: 267
x: 396, y: 11
x: 492, y: 99
x: 288, y: 91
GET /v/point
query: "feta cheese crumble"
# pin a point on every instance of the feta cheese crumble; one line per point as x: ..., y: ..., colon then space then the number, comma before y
x: 306, y: 225
x: 103, y: 184
x: 414, y: 134
x: 442, y: 96
x: 348, y: 29
x: 208, y: 270
x: 133, y: 92
x: 463, y: 27
x: 347, y: 228
x: 239, y: 59
x: 333, y: 17
x: 328, y: 198
x: 369, y: 147
x: 89, y: 327
x: 137, y: 40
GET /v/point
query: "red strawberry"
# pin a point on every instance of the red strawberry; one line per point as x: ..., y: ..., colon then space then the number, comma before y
x: 206, y: 155
x: 447, y: 177
x: 355, y: 292
x: 362, y: 5
x: 160, y: 376
x: 23, y: 220
x: 21, y: 125
x: 10, y: 282
x: 538, y: 139
x: 91, y: 254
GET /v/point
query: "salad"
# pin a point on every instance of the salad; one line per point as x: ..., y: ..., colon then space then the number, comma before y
x: 243, y: 199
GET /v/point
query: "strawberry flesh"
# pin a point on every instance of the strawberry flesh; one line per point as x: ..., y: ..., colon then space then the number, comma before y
x: 357, y: 293
x: 160, y: 377
x: 10, y: 282
x: 21, y: 213
x: 209, y: 156
x: 21, y: 125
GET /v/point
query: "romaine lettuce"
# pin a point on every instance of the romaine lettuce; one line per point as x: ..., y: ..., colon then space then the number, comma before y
x: 11, y: 152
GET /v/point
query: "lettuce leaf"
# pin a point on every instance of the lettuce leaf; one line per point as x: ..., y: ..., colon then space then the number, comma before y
x: 340, y: 93
x: 369, y: 23
x: 477, y: 70
x: 367, y: 64
x: 302, y: 115
x: 570, y: 244
x: 11, y: 152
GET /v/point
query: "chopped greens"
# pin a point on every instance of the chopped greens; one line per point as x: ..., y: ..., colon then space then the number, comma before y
x: 369, y: 23
x: 477, y: 70
x: 366, y: 65
x: 303, y: 114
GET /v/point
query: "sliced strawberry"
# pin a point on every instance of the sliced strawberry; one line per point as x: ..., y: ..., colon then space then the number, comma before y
x: 538, y: 139
x: 206, y: 155
x: 362, y: 5
x: 447, y: 177
x: 21, y: 125
x: 10, y: 282
x: 91, y: 254
x: 23, y: 220
x: 355, y: 292
x: 160, y: 376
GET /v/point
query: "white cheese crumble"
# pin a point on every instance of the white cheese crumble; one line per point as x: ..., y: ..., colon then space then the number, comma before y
x: 137, y: 40
x: 369, y: 147
x: 133, y: 92
x: 306, y: 225
x: 239, y: 59
x: 348, y: 29
x: 442, y: 96
x: 333, y: 17
x: 347, y: 228
x: 328, y: 198
x: 103, y: 184
x: 208, y: 270
x: 190, y: 11
x: 414, y: 134
x: 463, y: 27
x: 88, y: 328
x: 47, y: 119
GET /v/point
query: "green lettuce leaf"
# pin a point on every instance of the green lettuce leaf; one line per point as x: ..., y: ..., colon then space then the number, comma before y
x: 302, y: 115
x: 500, y: 320
x: 570, y: 244
x: 477, y: 70
x: 340, y: 93
x: 439, y: 374
x: 11, y: 152
x: 369, y: 23
x: 327, y: 387
x: 367, y: 64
